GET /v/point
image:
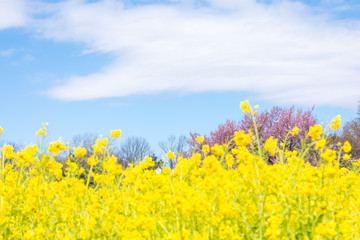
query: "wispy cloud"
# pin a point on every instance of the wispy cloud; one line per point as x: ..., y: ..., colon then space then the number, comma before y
x: 12, y: 13
x: 281, y: 51
x: 7, y: 52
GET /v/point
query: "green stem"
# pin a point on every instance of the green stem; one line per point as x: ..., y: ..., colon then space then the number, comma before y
x: 257, y: 135
x: 88, y: 180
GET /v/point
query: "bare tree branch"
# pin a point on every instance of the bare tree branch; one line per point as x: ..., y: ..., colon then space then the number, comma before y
x: 178, y: 145
x: 134, y: 149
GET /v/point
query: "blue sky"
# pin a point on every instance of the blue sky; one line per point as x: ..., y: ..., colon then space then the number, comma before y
x: 156, y: 68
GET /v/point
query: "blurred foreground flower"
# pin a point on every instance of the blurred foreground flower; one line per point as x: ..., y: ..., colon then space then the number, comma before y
x: 115, y: 133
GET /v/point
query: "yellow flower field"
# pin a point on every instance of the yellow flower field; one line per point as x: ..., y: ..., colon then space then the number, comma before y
x: 226, y: 192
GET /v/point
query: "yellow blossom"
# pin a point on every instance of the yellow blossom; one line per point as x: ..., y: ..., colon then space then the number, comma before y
x: 1, y: 130
x: 171, y: 155
x: 92, y: 160
x: 200, y: 139
x: 294, y: 131
x: 234, y: 151
x: 100, y: 145
x: 270, y: 145
x: 326, y: 230
x: 111, y: 166
x: 315, y: 132
x: 79, y: 152
x: 329, y: 155
x: 217, y: 150
x: 115, y: 133
x: 245, y: 106
x: 26, y: 156
x: 205, y: 148
x: 56, y: 147
x: 346, y: 157
x: 320, y: 144
x: 148, y: 162
x: 335, y: 124
x: 102, y: 142
x: 41, y: 132
x: 97, y: 149
x: 8, y: 151
x: 166, y: 171
x: 229, y: 160
x: 242, y: 139
x: 347, y: 147
x: 205, y: 196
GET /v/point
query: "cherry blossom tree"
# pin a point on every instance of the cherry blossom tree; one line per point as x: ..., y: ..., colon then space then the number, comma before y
x: 276, y: 123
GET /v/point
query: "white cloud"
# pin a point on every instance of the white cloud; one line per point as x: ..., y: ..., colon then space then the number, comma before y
x: 7, y: 52
x: 12, y: 13
x: 281, y: 51
x: 332, y: 1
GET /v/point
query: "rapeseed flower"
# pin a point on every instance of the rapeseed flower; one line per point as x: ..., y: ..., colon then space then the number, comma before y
x: 166, y: 171
x: 26, y: 157
x: 347, y: 147
x: 245, y: 106
x: 41, y: 131
x: 8, y: 151
x: 320, y: 144
x: 329, y: 155
x: 346, y: 157
x: 315, y: 132
x: 205, y: 148
x: 242, y: 139
x: 171, y: 155
x: 79, y: 152
x: 335, y: 124
x: 111, y: 166
x: 271, y: 145
x: 294, y: 131
x: 229, y: 158
x: 100, y: 145
x: 200, y: 139
x: 1, y: 130
x: 217, y: 150
x: 326, y: 230
x: 92, y: 160
x: 56, y: 147
x: 148, y: 162
x: 102, y: 142
x: 207, y: 196
x: 235, y: 151
x: 115, y: 133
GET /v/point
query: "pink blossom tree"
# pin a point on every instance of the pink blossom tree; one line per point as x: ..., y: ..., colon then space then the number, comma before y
x: 223, y: 134
x: 276, y: 123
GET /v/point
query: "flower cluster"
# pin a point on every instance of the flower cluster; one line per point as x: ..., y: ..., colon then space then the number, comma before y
x: 229, y: 193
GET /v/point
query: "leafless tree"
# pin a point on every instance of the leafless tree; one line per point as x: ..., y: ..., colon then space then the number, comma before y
x: 86, y: 141
x: 134, y: 149
x: 175, y: 144
x: 358, y: 112
x: 351, y: 133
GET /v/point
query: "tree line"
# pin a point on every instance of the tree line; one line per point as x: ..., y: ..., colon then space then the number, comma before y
x: 276, y: 123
